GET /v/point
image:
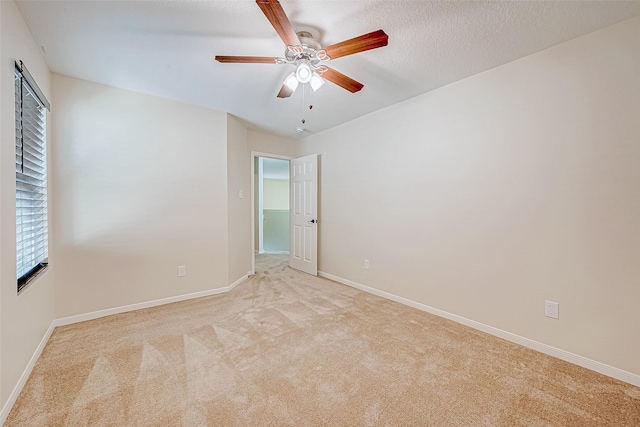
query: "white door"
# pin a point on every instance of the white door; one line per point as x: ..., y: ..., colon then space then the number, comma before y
x: 304, y: 214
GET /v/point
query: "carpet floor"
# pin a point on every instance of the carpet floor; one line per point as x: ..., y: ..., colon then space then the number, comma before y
x: 285, y: 348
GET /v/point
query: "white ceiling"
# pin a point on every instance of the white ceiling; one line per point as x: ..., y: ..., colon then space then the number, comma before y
x: 167, y: 48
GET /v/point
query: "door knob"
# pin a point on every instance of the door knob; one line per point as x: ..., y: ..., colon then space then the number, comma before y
x: 313, y: 221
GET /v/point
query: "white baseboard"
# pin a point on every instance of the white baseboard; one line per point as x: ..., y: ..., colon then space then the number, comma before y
x: 147, y: 304
x: 593, y: 365
x: 25, y: 375
x: 95, y: 315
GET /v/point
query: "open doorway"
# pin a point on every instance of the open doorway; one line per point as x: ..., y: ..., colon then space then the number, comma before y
x: 271, y: 216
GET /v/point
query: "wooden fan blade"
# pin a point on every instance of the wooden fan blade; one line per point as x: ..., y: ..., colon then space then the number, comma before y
x: 247, y: 59
x: 285, y: 92
x: 275, y: 14
x: 364, y: 42
x: 341, y: 80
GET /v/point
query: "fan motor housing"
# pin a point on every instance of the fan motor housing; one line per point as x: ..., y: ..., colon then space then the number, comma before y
x: 309, y: 49
x: 307, y: 40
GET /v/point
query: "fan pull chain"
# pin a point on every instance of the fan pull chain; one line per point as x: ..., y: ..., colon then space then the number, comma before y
x: 303, y: 103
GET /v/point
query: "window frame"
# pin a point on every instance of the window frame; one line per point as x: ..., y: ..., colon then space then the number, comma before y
x: 37, y: 178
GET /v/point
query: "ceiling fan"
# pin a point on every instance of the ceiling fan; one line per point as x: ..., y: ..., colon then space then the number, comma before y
x: 306, y: 53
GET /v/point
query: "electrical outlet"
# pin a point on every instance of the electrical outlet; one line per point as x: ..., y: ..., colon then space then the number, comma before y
x: 182, y: 270
x: 366, y: 264
x: 551, y: 309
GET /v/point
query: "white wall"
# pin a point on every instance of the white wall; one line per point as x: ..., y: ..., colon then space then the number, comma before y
x: 490, y: 195
x: 141, y: 187
x: 239, y: 181
x: 24, y: 318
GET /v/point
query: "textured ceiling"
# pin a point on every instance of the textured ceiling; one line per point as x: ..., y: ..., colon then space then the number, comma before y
x: 167, y: 48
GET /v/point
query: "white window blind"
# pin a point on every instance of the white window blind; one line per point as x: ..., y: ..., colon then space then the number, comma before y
x: 31, y: 178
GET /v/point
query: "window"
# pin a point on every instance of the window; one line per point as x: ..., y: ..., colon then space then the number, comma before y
x: 31, y: 178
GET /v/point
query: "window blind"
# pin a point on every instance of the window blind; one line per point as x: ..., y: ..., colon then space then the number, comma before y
x: 31, y: 178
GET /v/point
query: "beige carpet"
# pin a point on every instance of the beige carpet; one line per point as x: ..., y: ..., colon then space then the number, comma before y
x: 285, y: 348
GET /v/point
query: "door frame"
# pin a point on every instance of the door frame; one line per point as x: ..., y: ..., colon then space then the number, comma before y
x: 255, y: 154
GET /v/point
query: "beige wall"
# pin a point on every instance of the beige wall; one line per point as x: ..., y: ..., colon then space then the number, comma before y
x: 490, y: 195
x: 239, y: 181
x: 265, y: 143
x: 141, y: 187
x: 276, y: 194
x: 24, y: 318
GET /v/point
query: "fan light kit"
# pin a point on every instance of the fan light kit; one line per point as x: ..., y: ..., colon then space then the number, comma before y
x: 305, y: 53
x: 303, y: 72
x: 316, y: 81
x: 291, y: 81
